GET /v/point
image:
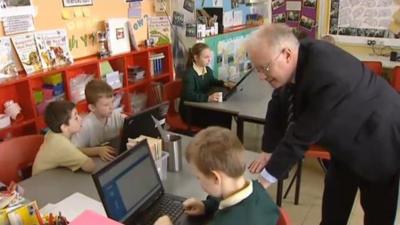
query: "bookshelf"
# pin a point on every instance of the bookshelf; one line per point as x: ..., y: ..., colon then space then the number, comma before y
x: 23, y: 88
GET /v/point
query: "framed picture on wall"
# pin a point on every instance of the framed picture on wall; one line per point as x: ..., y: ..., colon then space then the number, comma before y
x: 307, y: 22
x: 73, y: 3
x: 279, y: 18
x: 188, y: 5
x: 293, y: 16
x: 310, y: 3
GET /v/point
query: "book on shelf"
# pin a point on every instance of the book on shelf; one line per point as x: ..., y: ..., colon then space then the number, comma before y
x: 156, y: 64
x: 117, y: 35
x: 28, y: 54
x: 159, y: 30
x: 53, y: 48
x: 8, y: 66
x: 132, y: 38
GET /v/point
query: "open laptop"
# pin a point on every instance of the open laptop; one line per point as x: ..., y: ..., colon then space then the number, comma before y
x: 131, y: 190
x: 227, y: 92
x: 141, y: 123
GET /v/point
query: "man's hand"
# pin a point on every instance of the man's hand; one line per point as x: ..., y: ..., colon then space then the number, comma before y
x: 106, y: 153
x: 263, y: 182
x: 194, y: 207
x: 257, y: 165
x: 163, y: 220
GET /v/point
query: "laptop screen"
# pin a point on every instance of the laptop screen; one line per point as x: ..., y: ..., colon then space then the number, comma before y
x: 127, y: 183
x: 143, y: 124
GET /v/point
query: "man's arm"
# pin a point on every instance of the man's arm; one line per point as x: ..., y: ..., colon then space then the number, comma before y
x: 274, y: 129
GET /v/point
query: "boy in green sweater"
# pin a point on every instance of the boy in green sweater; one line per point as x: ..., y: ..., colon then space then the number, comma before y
x: 216, y: 158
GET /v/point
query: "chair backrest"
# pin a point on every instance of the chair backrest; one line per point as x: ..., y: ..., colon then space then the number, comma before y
x: 17, y: 156
x: 172, y: 91
x: 396, y: 78
x: 283, y: 218
x: 375, y: 66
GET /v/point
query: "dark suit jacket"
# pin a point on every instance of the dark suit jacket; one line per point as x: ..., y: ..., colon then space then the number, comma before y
x: 341, y: 106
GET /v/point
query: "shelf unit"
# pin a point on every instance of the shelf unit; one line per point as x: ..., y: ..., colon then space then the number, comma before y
x: 21, y: 89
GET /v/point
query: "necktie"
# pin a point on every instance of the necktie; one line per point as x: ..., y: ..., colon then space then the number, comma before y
x: 290, y: 93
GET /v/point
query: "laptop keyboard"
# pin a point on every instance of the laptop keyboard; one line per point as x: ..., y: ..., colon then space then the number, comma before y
x: 165, y: 206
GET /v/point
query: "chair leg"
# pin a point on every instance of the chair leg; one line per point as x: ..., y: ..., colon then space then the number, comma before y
x: 290, y: 184
x: 279, y: 191
x: 298, y: 182
x: 296, y: 177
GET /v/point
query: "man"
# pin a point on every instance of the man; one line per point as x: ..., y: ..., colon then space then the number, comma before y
x: 338, y: 104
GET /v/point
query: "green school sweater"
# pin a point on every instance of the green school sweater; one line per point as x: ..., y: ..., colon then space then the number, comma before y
x: 195, y: 88
x: 256, y: 209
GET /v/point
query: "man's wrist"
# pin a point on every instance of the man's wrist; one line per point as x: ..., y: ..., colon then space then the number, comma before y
x: 268, y: 177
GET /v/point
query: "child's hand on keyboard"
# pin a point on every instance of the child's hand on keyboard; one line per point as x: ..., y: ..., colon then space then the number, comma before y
x: 106, y: 153
x: 163, y: 220
x: 194, y: 207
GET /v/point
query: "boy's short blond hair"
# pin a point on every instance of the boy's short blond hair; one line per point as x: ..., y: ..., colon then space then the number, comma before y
x: 217, y: 149
x: 96, y: 89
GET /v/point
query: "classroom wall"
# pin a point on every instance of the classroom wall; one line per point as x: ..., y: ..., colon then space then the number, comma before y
x: 82, y: 22
x: 352, y: 48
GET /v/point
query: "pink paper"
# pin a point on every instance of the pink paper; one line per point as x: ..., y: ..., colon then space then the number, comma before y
x: 90, y: 217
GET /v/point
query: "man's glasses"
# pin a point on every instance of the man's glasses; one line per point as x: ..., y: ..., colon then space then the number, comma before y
x: 266, y: 69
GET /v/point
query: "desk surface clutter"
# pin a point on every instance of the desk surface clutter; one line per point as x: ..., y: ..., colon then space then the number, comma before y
x: 75, y: 192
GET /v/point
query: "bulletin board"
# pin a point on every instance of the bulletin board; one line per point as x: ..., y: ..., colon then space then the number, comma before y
x: 232, y: 10
x: 358, y: 21
x: 229, y: 54
x: 83, y: 22
x: 299, y: 14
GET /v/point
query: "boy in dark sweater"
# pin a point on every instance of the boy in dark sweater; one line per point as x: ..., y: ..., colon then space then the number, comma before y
x: 216, y: 158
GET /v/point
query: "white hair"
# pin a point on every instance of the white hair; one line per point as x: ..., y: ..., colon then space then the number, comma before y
x: 275, y: 36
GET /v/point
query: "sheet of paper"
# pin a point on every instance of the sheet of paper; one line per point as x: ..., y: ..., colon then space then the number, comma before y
x: 228, y: 19
x: 74, y: 205
x: 371, y: 14
x: 135, y: 9
x: 237, y: 17
x: 293, y: 5
x: 18, y: 24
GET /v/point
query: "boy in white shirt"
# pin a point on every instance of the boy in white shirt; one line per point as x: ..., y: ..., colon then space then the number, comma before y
x: 102, y: 124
